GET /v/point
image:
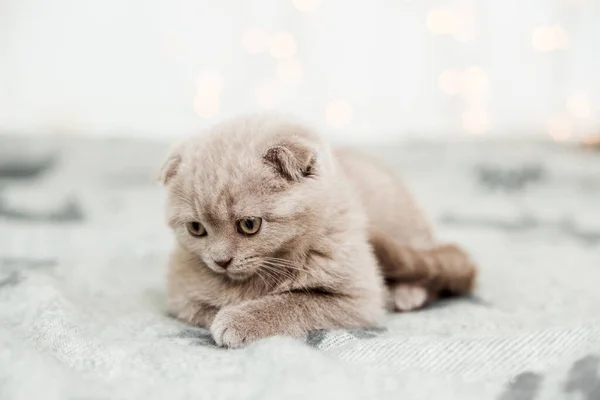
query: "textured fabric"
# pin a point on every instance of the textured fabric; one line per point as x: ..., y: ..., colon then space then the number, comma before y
x: 82, y: 262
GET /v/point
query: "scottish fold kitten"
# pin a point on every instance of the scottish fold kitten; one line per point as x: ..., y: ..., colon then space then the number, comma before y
x: 277, y: 234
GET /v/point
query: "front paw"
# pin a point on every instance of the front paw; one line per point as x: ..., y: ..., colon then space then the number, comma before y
x: 196, y: 314
x: 233, y: 328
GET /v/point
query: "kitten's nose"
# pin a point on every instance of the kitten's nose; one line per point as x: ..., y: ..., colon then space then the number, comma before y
x: 223, y: 263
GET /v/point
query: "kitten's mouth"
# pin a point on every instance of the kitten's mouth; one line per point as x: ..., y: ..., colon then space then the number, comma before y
x: 237, y: 275
x: 232, y: 274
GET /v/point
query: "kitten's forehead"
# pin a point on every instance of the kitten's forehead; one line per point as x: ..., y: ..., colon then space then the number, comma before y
x: 223, y: 174
x: 234, y: 198
x: 226, y: 189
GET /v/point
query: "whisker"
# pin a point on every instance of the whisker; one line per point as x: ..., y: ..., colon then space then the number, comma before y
x: 316, y: 279
x: 290, y: 273
x: 282, y: 270
x: 279, y: 272
x: 289, y: 264
x: 262, y: 278
x: 276, y: 279
x: 285, y: 274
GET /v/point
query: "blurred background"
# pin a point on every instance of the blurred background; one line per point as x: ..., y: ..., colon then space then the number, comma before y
x: 488, y: 109
x: 380, y: 70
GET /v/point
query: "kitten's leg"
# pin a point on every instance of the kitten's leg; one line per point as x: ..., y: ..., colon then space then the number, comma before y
x: 417, y: 277
x: 197, y: 314
x: 290, y: 314
x: 183, y: 279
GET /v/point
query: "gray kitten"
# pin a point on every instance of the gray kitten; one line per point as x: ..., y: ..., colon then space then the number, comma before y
x: 276, y: 234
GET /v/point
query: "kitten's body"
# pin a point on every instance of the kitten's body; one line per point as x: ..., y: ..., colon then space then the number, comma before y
x: 336, y: 224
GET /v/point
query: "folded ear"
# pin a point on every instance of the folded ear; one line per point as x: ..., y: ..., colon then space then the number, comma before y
x: 294, y: 160
x: 170, y: 166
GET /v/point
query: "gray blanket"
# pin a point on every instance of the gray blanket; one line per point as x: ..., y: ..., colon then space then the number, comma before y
x: 82, y: 262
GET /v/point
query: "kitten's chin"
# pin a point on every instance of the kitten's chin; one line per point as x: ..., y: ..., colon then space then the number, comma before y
x: 238, y: 276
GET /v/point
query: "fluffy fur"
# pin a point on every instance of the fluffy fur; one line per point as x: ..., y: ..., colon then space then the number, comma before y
x: 340, y: 239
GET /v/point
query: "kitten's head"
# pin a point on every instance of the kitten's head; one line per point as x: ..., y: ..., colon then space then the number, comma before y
x: 248, y: 194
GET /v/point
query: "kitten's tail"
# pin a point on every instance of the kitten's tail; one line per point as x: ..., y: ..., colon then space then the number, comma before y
x: 444, y: 269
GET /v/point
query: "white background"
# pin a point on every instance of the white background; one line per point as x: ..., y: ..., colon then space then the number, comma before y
x: 362, y: 70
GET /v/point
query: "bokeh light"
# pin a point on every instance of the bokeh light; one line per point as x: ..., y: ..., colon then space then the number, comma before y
x: 207, y: 104
x: 475, y: 84
x: 450, y: 81
x: 441, y: 21
x: 290, y: 71
x: 208, y: 93
x: 466, y: 31
x: 541, y: 40
x: 282, y: 45
x: 560, y: 37
x: 592, y: 140
x: 560, y: 128
x: 472, y: 82
x: 550, y: 38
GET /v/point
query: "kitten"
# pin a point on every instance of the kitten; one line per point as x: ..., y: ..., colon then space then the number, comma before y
x: 276, y: 234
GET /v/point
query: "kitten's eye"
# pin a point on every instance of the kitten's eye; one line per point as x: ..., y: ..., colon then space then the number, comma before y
x: 196, y: 229
x: 249, y: 226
